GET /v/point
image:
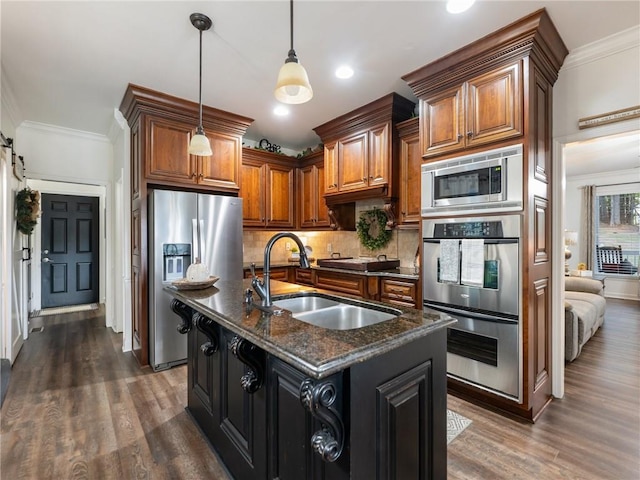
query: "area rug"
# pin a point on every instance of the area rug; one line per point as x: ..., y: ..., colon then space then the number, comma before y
x: 456, y: 423
x: 58, y: 310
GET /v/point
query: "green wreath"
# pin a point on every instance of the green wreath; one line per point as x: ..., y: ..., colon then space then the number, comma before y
x: 27, y: 210
x: 371, y: 229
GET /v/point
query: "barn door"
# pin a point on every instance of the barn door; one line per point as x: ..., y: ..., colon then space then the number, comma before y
x: 70, y: 256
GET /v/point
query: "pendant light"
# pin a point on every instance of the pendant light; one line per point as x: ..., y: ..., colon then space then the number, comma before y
x: 199, y: 144
x: 293, y: 83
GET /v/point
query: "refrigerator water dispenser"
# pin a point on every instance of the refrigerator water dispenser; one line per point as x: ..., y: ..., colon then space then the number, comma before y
x: 176, y: 260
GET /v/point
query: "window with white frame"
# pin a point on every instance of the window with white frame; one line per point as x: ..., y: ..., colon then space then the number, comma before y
x: 617, y: 229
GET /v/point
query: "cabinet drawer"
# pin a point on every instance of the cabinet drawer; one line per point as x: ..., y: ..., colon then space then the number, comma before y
x: 341, y: 282
x: 398, y: 291
x: 276, y: 273
x: 304, y: 276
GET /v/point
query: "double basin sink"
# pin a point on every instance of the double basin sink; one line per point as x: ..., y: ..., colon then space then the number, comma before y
x: 334, y: 313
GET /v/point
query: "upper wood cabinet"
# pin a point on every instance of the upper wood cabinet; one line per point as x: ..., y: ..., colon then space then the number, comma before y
x: 169, y: 160
x: 410, y: 161
x: 267, y: 189
x: 312, y: 208
x: 361, y: 149
x: 161, y: 127
x: 484, y: 109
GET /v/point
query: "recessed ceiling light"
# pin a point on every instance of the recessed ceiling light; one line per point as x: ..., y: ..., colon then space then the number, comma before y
x: 344, y: 71
x: 281, y: 111
x: 459, y: 6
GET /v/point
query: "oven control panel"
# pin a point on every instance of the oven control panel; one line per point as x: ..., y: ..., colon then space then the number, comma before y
x: 480, y: 229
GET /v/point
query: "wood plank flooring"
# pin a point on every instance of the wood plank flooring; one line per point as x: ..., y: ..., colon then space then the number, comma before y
x: 79, y: 408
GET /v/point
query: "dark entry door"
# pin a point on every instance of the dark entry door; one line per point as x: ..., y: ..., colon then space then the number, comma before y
x: 70, y: 256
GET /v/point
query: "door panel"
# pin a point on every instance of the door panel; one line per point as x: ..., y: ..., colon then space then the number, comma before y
x: 70, y: 227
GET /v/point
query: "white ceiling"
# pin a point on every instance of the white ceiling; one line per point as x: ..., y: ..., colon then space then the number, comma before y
x: 68, y: 63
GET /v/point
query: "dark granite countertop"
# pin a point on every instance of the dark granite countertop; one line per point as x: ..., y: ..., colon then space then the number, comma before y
x: 401, y: 272
x: 316, y: 351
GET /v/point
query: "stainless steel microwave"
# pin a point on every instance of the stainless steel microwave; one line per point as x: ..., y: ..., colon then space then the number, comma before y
x: 490, y: 181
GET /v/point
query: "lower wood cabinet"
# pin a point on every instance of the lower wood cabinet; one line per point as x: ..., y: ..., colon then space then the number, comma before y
x: 276, y: 273
x: 399, y: 291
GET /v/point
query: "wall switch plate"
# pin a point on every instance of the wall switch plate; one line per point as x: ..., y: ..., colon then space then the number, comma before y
x: 287, y: 245
x: 329, y: 248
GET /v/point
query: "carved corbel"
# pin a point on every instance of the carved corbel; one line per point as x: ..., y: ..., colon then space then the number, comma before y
x: 184, y: 312
x: 252, y: 357
x: 207, y: 326
x: 389, y: 210
x: 318, y: 399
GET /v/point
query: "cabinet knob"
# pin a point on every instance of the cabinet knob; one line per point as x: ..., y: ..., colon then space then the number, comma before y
x: 403, y: 213
x: 460, y: 136
x: 364, y: 179
x: 370, y: 177
x: 469, y: 134
x: 201, y: 175
x: 193, y: 175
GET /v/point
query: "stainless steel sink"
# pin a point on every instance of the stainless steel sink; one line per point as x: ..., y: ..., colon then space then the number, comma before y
x: 304, y: 304
x: 335, y: 313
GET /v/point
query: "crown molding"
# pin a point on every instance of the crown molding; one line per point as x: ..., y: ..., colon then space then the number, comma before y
x: 601, y: 177
x: 616, y: 43
x: 44, y: 127
x: 118, y: 125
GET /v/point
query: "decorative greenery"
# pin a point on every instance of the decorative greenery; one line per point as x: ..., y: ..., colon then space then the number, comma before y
x: 27, y: 210
x: 371, y: 229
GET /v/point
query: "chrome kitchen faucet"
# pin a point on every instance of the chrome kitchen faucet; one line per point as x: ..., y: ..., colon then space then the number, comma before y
x: 262, y: 287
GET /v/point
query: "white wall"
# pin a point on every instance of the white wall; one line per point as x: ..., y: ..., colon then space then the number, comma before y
x: 595, y: 79
x: 60, y: 160
x: 13, y: 295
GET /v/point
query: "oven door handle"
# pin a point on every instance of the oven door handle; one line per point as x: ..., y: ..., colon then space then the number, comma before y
x: 487, y: 241
x: 468, y: 314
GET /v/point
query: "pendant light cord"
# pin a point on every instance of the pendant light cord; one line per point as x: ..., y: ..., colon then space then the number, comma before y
x: 200, y: 129
x: 291, y: 19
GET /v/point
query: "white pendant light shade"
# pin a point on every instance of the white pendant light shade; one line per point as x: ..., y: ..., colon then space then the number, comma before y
x: 293, y: 84
x: 199, y: 145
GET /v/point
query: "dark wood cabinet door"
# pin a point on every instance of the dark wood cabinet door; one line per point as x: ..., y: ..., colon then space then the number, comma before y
x: 331, y: 168
x: 441, y: 122
x: 306, y: 196
x: 410, y: 163
x: 313, y: 211
x: 279, y: 196
x: 168, y: 159
x: 342, y: 282
x: 494, y: 106
x: 242, y: 421
x: 322, y: 211
x: 352, y: 162
x: 222, y: 169
x: 252, y: 193
x: 378, y: 156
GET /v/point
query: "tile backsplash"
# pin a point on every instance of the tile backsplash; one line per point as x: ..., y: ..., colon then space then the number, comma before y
x: 403, y: 244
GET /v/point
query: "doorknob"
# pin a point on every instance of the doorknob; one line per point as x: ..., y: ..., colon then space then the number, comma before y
x: 46, y: 252
x: 46, y: 260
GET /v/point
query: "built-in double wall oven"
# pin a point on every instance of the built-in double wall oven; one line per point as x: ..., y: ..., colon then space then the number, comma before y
x: 471, y: 270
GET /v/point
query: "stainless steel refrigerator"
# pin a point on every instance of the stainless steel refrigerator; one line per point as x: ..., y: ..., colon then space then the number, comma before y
x: 186, y: 226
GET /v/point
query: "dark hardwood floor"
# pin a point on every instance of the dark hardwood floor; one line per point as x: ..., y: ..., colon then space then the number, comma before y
x: 77, y: 407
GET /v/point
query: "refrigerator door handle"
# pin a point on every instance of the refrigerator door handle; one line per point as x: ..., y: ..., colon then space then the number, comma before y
x: 201, y: 243
x: 194, y: 240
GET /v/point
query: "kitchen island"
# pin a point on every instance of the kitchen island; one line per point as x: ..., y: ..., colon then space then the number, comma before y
x: 281, y: 398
